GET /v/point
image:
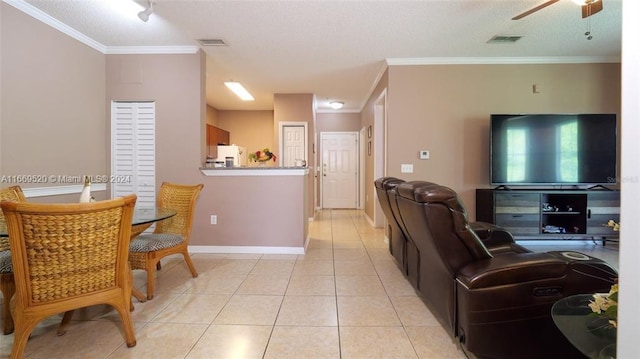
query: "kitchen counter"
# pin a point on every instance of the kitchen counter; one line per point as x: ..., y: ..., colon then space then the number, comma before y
x: 253, y: 210
x: 255, y: 171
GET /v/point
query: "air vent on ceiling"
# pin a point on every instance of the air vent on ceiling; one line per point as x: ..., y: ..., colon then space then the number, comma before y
x: 212, y: 42
x: 504, y: 39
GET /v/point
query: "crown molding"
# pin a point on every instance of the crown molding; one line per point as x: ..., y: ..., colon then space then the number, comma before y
x: 503, y: 60
x: 107, y: 50
x: 152, y: 50
x: 383, y: 68
x: 54, y: 23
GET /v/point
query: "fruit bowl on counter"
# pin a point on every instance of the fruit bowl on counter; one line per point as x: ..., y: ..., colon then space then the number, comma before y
x: 262, y: 157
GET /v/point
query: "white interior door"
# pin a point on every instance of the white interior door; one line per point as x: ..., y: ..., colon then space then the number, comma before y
x: 133, y: 151
x: 293, y: 144
x: 339, y: 169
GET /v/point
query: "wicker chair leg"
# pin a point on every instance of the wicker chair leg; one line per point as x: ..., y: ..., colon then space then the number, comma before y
x: 150, y: 281
x: 64, y: 324
x: 127, y: 323
x: 8, y: 288
x: 20, y: 338
x: 187, y: 259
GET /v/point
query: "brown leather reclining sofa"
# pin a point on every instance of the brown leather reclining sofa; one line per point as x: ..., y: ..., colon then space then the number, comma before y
x: 490, y: 293
x: 404, y: 250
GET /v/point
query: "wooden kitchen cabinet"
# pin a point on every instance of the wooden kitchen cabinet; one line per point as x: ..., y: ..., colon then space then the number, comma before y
x: 215, y: 136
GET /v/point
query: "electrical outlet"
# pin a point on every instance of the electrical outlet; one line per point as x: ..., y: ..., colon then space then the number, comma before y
x: 406, y: 168
x: 214, y: 219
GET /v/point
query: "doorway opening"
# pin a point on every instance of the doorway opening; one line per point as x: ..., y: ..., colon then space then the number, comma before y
x: 379, y: 152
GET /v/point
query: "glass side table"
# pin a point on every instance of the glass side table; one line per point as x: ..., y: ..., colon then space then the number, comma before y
x: 592, y: 335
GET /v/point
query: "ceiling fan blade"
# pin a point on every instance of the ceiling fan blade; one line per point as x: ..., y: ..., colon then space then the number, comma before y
x: 531, y: 11
x: 591, y: 8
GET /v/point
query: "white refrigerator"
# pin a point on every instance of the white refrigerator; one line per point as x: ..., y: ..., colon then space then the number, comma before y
x: 238, y: 153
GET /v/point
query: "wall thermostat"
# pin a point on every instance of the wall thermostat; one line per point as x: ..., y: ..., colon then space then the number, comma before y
x: 424, y: 155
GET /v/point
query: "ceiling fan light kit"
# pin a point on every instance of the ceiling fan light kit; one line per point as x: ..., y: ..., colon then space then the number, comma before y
x: 589, y: 7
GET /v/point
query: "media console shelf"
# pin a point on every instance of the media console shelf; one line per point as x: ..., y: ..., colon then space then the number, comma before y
x: 551, y: 214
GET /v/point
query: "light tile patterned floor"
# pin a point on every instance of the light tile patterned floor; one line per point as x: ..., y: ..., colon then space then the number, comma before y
x: 344, y: 298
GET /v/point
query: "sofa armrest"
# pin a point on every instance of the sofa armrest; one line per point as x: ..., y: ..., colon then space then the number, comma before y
x: 491, y: 233
x: 497, y: 239
x: 512, y: 268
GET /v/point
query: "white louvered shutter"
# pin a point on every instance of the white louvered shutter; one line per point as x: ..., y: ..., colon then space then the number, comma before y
x: 133, y: 151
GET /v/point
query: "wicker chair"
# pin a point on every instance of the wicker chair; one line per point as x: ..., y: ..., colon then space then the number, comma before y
x: 170, y: 236
x: 86, y: 245
x: 7, y: 284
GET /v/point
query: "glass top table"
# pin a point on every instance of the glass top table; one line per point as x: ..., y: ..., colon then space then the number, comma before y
x: 590, y: 334
x: 147, y: 215
x: 143, y: 217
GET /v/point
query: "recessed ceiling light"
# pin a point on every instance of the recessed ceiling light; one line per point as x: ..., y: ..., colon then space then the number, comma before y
x: 336, y: 105
x: 239, y: 90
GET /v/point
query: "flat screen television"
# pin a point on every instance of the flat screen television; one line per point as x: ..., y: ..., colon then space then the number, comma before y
x: 553, y: 149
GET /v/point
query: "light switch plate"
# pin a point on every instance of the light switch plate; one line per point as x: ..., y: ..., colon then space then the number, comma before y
x: 406, y: 168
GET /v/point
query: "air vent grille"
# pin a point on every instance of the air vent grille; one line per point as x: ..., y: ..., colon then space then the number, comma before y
x: 504, y: 39
x: 212, y: 42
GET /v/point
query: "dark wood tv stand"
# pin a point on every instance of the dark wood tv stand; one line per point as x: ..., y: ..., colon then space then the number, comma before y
x: 548, y: 214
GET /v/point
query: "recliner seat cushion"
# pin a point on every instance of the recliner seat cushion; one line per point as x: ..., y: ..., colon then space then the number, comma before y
x: 512, y: 268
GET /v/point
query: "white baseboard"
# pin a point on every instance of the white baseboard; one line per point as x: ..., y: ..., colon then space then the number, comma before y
x: 371, y: 222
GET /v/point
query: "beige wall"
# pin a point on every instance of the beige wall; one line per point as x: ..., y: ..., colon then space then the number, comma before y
x: 212, y: 116
x: 298, y: 108
x: 367, y: 120
x: 52, y: 93
x: 251, y: 212
x: 446, y: 109
x: 174, y: 83
x: 338, y: 122
x: 251, y: 129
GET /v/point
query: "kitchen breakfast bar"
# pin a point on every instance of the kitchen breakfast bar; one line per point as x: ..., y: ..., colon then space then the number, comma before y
x: 255, y: 210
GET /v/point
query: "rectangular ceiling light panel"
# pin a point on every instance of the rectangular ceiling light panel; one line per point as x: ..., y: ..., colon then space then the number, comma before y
x: 239, y: 90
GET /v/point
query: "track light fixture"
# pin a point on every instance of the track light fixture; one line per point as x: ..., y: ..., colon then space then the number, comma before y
x: 144, y: 14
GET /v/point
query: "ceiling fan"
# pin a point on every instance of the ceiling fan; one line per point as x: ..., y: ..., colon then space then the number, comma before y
x: 589, y: 7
